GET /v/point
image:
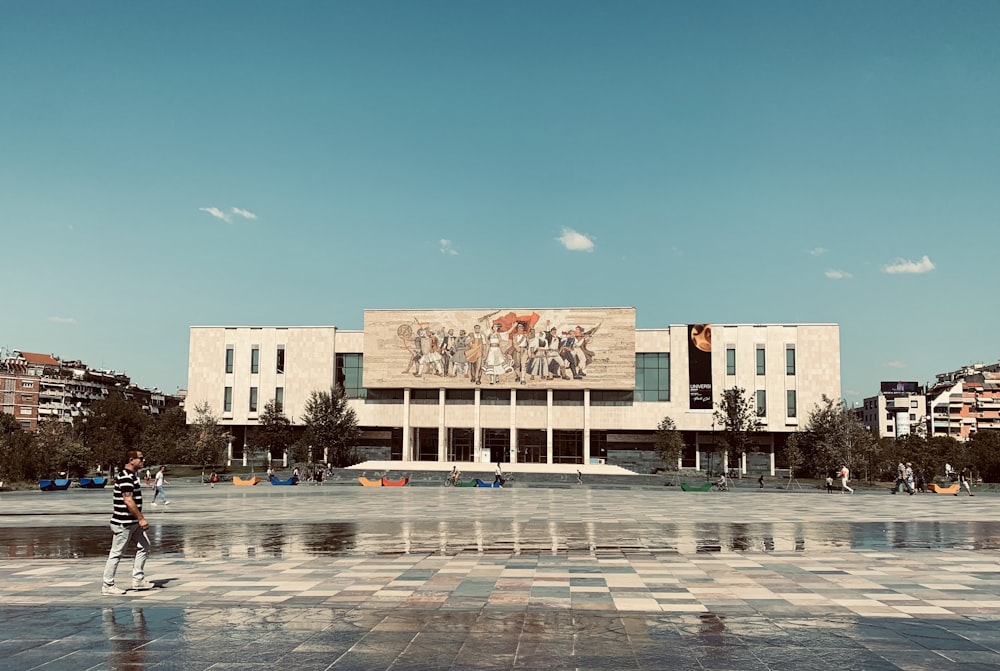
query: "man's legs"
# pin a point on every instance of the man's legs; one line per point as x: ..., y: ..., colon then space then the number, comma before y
x: 141, y: 554
x: 119, y: 540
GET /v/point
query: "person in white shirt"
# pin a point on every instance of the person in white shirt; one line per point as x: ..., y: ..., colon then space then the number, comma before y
x: 158, y: 483
x: 845, y: 476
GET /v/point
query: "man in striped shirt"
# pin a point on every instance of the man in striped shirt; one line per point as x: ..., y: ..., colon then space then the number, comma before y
x: 127, y: 525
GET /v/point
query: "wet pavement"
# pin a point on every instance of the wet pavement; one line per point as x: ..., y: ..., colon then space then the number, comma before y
x: 320, y: 577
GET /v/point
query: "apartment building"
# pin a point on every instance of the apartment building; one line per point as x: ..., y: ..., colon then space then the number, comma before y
x: 899, y: 410
x: 965, y: 401
x: 549, y: 386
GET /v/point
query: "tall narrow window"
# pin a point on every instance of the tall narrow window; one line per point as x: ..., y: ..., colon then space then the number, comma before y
x: 652, y: 376
x: 792, y: 409
x: 279, y: 366
x: 349, y: 370
x: 761, y: 403
x: 255, y: 359
x: 229, y: 359
x: 730, y: 361
x: 279, y: 399
x: 227, y: 400
x: 253, y: 399
x: 761, y: 369
x: 790, y: 359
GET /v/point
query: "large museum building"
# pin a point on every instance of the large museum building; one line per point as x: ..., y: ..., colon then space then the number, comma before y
x: 515, y: 386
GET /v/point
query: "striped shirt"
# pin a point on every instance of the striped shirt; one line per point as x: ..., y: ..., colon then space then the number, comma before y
x: 126, y: 482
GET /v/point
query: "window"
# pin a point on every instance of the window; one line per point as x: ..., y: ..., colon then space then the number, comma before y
x: 253, y: 399
x: 532, y: 397
x: 255, y: 359
x: 791, y: 401
x: 789, y: 359
x: 761, y: 403
x: 25, y: 411
x: 609, y: 397
x: 761, y: 368
x: 279, y: 365
x: 913, y: 403
x: 567, y: 397
x: 227, y: 401
x: 459, y: 397
x: 27, y: 384
x: 888, y: 428
x: 424, y: 396
x: 229, y: 359
x: 730, y: 360
x: 913, y: 417
x: 494, y: 397
x: 279, y: 399
x: 652, y: 376
x: 384, y: 396
x: 350, y: 368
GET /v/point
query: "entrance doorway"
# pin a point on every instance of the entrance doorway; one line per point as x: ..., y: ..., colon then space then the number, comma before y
x: 497, y: 443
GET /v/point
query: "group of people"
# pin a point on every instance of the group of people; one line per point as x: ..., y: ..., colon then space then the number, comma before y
x: 528, y: 353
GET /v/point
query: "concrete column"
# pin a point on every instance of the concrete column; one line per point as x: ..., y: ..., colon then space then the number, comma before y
x: 513, y: 426
x: 548, y: 426
x: 407, y: 443
x: 442, y: 430
x: 586, y: 426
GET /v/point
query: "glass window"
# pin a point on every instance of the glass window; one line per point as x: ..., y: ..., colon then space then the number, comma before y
x: 567, y: 397
x: 459, y: 396
x: 253, y: 399
x: 913, y: 403
x: 279, y: 366
x: 652, y: 376
x: 424, y: 396
x: 279, y: 399
x: 761, y: 403
x: 494, y: 397
x: 792, y: 408
x: 532, y: 397
x: 255, y: 359
x: 730, y: 360
x: 611, y: 397
x: 350, y: 368
x: 384, y: 396
x: 227, y: 401
x: 230, y: 353
x: 761, y: 368
x: 790, y: 360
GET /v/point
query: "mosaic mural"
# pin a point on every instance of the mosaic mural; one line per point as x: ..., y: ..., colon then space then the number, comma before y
x: 523, y: 348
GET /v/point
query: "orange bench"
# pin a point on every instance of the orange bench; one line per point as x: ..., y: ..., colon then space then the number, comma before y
x: 237, y: 480
x: 365, y: 482
x: 386, y: 482
x: 938, y: 489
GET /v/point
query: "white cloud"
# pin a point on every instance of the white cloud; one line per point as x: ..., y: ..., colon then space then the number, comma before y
x: 576, y: 242
x: 447, y: 248
x: 818, y: 251
x: 835, y: 274
x: 62, y: 320
x: 217, y: 213
x: 895, y: 364
x: 904, y: 266
x: 246, y: 214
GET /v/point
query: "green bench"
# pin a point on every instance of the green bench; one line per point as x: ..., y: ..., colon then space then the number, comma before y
x: 696, y: 488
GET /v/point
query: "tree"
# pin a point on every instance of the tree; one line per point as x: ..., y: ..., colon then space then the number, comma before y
x: 984, y: 454
x: 19, y: 455
x: 165, y: 440
x: 113, y: 426
x: 834, y: 436
x: 274, y: 431
x: 736, y: 413
x: 207, y: 440
x: 62, y: 448
x: 332, y: 425
x: 792, y: 453
x: 669, y: 443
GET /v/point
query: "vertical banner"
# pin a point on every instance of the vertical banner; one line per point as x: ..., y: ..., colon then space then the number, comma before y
x: 700, y: 366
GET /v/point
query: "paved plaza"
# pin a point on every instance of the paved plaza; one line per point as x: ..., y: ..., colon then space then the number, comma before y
x: 344, y: 577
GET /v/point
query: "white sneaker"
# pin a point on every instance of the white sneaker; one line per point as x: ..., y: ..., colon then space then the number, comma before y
x: 111, y: 590
x: 166, y: 503
x: 142, y: 584
x: 155, y: 503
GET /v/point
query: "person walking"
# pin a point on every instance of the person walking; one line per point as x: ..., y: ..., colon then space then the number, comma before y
x: 760, y: 481
x: 829, y: 484
x: 963, y: 481
x: 127, y: 525
x: 845, y: 477
x: 213, y: 478
x: 158, y: 483
x: 908, y: 478
x: 498, y: 477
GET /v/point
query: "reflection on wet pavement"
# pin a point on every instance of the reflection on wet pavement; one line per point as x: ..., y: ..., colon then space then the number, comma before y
x: 320, y: 539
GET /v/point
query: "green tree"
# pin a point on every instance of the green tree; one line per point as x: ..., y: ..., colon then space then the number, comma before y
x: 736, y: 415
x: 62, y: 448
x: 113, y: 425
x: 19, y: 455
x: 791, y: 453
x: 207, y: 440
x: 166, y: 438
x: 834, y: 436
x: 984, y: 455
x: 274, y: 431
x: 669, y: 443
x: 331, y: 425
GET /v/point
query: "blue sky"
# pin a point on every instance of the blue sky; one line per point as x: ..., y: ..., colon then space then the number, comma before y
x: 164, y: 165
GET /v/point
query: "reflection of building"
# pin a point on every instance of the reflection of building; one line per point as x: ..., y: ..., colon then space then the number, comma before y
x: 965, y: 401
x: 632, y: 378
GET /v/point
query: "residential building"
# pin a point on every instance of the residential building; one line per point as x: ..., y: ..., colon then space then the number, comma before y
x: 965, y: 401
x: 593, y: 389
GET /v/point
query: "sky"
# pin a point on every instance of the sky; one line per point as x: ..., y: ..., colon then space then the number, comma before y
x: 166, y: 165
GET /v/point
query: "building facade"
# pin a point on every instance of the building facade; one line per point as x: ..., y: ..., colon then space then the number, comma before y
x: 965, y: 401
x: 549, y: 386
x: 899, y: 410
